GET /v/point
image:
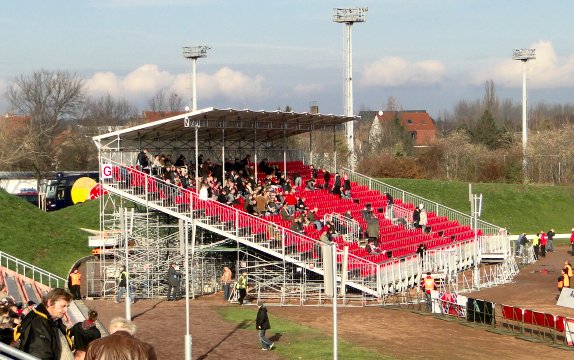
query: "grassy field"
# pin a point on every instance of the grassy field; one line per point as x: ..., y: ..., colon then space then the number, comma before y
x: 53, y: 241
x: 528, y: 208
x: 297, y: 341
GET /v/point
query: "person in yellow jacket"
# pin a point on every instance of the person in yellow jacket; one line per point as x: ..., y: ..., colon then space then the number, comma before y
x: 74, y: 283
x: 241, y: 286
x: 428, y: 284
x: 536, y: 245
x: 563, y: 281
x: 568, y: 267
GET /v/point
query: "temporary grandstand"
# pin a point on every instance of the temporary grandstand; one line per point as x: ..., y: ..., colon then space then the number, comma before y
x: 150, y: 223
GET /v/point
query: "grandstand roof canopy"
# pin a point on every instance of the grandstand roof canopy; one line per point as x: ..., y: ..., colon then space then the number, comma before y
x: 239, y: 125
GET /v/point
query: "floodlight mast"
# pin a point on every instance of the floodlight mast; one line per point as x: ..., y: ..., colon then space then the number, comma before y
x: 194, y: 53
x: 524, y: 55
x: 349, y: 16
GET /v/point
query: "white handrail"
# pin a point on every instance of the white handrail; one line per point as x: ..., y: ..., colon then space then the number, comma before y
x: 37, y: 274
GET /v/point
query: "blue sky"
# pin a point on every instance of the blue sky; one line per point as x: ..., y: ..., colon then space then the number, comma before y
x: 426, y: 53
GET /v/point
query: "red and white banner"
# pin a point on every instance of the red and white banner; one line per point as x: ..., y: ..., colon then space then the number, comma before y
x: 569, y: 330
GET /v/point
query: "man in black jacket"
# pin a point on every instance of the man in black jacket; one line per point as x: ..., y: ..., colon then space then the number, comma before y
x: 173, y: 276
x: 42, y: 332
x: 262, y: 323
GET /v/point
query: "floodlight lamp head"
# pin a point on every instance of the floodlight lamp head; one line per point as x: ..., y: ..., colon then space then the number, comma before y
x: 350, y: 15
x: 523, y: 54
x: 195, y: 52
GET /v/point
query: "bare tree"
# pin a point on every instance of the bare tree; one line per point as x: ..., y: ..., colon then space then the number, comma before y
x: 49, y: 98
x: 163, y: 102
x: 393, y: 104
x: 490, y: 101
x: 108, y: 111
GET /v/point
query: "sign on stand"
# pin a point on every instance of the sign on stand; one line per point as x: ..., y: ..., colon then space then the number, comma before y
x: 566, y: 298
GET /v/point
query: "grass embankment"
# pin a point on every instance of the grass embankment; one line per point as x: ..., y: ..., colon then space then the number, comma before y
x: 528, y: 208
x: 52, y: 241
x: 297, y: 341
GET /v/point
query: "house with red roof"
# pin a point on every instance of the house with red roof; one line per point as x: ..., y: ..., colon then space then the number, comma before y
x: 418, y: 123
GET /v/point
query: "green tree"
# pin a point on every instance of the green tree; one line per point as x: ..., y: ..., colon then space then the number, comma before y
x: 486, y: 132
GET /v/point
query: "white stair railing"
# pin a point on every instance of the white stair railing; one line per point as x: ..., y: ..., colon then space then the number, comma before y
x: 31, y: 271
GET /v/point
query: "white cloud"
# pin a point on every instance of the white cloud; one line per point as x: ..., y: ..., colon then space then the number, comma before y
x: 548, y: 70
x: 147, y: 80
x: 232, y: 85
x: 395, y: 71
x: 102, y: 83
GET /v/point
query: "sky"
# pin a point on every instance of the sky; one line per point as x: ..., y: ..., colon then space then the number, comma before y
x: 265, y: 54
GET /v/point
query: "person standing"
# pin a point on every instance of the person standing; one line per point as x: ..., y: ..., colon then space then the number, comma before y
x: 522, y: 241
x: 560, y: 284
x: 572, y: 242
x: 417, y: 217
x: 568, y: 271
x: 428, y: 284
x: 242, y: 287
x: 120, y: 344
x: 550, y: 234
x: 327, y: 179
x: 390, y: 206
x: 536, y: 245
x: 42, y: 332
x: 122, y: 286
x: 262, y: 324
x: 74, y: 282
x: 173, y: 276
x: 83, y: 333
x: 543, y: 243
x: 226, y: 282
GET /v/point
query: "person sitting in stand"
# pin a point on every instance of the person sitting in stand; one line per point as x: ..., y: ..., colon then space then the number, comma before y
x: 301, y: 204
x: 371, y: 248
x: 297, y: 226
x: 272, y: 207
x: 366, y: 212
x: 285, y: 215
x: 312, y: 218
x: 310, y: 184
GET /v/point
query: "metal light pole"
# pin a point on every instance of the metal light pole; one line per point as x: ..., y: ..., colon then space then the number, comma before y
x: 128, y: 302
x: 335, y: 336
x: 524, y: 55
x: 194, y: 53
x: 195, y: 124
x: 187, y: 338
x: 349, y: 16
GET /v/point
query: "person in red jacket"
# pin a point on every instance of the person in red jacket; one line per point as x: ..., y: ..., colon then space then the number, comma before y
x: 290, y: 201
x: 572, y: 242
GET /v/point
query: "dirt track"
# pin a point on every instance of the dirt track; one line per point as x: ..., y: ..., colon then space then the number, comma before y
x: 399, y: 333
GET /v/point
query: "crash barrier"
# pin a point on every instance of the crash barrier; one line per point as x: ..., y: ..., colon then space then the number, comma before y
x: 536, y: 323
x: 556, y: 328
